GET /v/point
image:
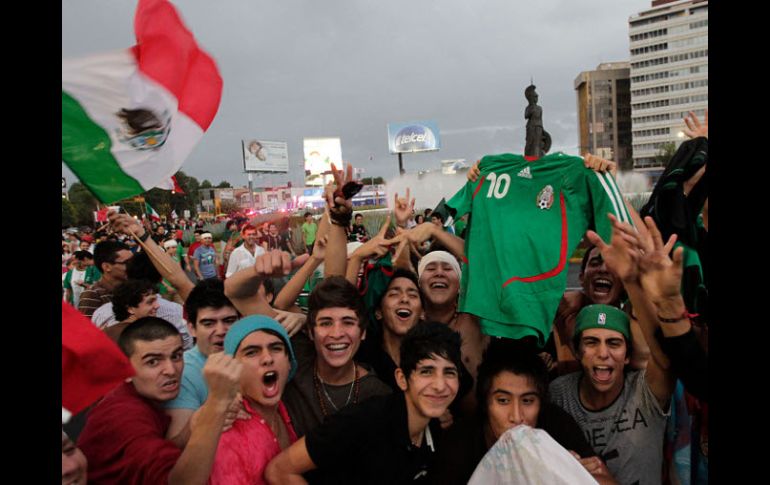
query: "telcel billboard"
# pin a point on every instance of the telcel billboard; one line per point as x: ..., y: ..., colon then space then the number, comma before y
x: 265, y: 156
x: 320, y: 153
x: 416, y: 136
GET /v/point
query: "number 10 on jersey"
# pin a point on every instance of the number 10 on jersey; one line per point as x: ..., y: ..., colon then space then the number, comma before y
x: 498, y: 186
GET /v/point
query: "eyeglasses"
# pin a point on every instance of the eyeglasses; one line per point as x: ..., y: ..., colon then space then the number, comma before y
x: 120, y: 262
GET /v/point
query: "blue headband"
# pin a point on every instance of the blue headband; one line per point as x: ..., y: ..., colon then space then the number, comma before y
x: 254, y: 323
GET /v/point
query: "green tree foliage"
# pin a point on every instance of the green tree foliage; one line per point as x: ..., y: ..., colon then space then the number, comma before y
x: 84, y: 204
x: 665, y: 153
x: 68, y: 213
x: 205, y: 184
x: 229, y: 207
x: 190, y: 199
x: 224, y: 185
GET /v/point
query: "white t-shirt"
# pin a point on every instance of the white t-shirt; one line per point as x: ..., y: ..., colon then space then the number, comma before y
x: 242, y: 258
x: 77, y: 277
x: 169, y: 311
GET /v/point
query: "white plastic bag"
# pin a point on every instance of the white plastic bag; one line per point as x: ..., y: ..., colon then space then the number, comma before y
x: 525, y: 455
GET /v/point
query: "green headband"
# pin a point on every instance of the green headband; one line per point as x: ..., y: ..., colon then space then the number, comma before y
x: 603, y: 316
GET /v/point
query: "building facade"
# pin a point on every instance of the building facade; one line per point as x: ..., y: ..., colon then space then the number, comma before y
x: 604, y: 112
x: 669, y: 76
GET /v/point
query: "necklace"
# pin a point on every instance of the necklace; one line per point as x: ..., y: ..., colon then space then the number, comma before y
x: 320, y: 385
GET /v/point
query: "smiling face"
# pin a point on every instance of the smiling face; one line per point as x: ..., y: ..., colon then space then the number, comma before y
x: 211, y: 328
x: 336, y: 335
x: 430, y: 388
x: 513, y: 400
x: 599, y: 284
x: 148, y: 307
x: 400, y: 308
x: 439, y: 283
x: 603, y: 356
x: 250, y: 237
x: 158, y: 365
x: 266, y: 367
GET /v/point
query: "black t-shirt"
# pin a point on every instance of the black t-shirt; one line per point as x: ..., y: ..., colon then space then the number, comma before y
x: 464, y: 445
x: 369, y: 443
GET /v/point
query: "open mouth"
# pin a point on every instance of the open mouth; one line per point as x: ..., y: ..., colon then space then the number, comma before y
x: 403, y: 313
x: 170, y: 386
x: 439, y: 285
x: 218, y: 345
x: 270, y: 380
x: 602, y: 285
x: 602, y: 373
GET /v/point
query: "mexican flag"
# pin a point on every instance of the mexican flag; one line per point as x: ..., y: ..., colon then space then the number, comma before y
x: 130, y: 118
x: 151, y: 212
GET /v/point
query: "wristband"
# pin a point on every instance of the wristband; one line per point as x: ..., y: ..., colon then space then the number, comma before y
x: 683, y: 316
x: 144, y: 237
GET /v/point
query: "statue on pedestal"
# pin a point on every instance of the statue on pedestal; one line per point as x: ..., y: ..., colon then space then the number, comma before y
x: 538, y: 140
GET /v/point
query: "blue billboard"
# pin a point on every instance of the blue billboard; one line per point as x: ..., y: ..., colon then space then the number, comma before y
x: 415, y: 136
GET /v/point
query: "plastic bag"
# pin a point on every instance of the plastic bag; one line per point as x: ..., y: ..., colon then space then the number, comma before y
x: 525, y: 455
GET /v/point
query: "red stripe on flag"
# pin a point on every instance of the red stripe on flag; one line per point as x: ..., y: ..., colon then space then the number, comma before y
x: 167, y: 53
x: 530, y: 158
x: 91, y: 363
x: 562, y: 255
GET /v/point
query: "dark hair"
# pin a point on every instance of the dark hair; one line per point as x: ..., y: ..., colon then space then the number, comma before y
x: 129, y: 294
x: 198, y: 231
x: 437, y: 215
x: 402, y: 273
x: 307, y: 214
x: 145, y: 329
x: 497, y: 360
x: 269, y: 287
x: 107, y: 252
x: 358, y: 215
x: 426, y: 212
x: 419, y: 216
x: 206, y: 294
x: 248, y: 227
x: 428, y: 340
x: 81, y: 255
x: 140, y: 267
x: 336, y: 292
x: 586, y: 257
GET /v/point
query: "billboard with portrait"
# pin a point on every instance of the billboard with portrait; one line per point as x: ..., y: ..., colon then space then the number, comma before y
x: 320, y: 153
x: 265, y: 156
x: 415, y: 136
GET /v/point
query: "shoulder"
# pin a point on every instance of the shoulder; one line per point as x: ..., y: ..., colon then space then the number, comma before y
x: 564, y: 385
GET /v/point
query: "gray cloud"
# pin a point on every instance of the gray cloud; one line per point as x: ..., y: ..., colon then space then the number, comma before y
x: 295, y: 69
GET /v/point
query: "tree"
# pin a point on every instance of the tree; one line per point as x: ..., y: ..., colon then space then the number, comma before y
x: 84, y: 204
x: 665, y: 153
x: 190, y: 199
x: 224, y: 185
x: 229, y: 207
x: 68, y: 213
x: 205, y: 184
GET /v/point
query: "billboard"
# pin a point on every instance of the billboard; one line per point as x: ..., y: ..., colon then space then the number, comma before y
x: 415, y: 136
x: 320, y: 153
x: 265, y: 156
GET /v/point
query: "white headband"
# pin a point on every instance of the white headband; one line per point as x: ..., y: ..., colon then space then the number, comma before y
x: 205, y: 235
x: 169, y: 244
x: 441, y: 256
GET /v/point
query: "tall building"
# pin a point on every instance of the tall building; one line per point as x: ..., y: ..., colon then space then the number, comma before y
x: 604, y: 112
x: 669, y: 75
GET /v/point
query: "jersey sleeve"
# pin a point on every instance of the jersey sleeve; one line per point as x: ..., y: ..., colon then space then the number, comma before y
x: 605, y: 199
x: 460, y: 203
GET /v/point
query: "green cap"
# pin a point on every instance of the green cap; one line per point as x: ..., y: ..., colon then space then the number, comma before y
x: 603, y: 316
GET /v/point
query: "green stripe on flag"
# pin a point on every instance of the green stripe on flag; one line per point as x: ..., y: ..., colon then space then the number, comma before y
x: 86, y: 149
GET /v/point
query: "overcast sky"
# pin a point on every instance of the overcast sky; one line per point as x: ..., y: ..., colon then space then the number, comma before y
x: 346, y: 68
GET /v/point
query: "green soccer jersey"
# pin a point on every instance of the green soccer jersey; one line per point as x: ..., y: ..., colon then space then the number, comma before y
x: 527, y: 217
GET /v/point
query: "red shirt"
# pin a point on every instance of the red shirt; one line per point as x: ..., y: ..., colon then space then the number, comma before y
x: 124, y: 440
x: 192, y: 248
x: 245, y: 449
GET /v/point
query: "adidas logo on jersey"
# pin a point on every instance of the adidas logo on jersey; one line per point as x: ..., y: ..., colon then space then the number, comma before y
x: 525, y: 173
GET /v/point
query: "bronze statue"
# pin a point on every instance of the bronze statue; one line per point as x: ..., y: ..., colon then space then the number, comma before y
x: 538, y: 140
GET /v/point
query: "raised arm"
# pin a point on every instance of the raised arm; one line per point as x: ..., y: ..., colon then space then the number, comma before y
x: 427, y: 230
x: 222, y: 374
x: 165, y: 264
x: 242, y: 288
x: 377, y: 246
x: 289, y: 293
x: 340, y: 212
